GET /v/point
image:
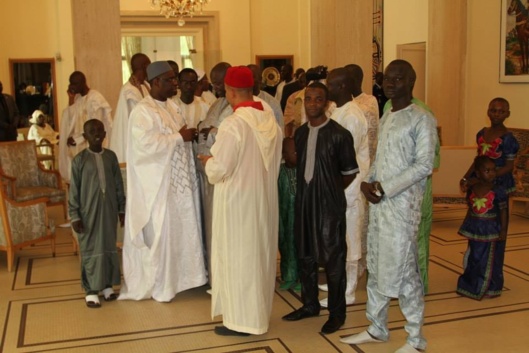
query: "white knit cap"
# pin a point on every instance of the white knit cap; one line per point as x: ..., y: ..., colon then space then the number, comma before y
x: 35, y: 116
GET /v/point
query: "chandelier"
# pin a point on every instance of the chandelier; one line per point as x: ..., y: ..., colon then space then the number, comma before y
x: 179, y: 8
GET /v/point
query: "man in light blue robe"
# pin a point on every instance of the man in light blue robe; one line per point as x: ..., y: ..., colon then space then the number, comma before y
x: 395, y: 187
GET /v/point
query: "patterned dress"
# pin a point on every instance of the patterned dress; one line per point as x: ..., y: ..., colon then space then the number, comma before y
x: 483, y: 275
x: 501, y: 150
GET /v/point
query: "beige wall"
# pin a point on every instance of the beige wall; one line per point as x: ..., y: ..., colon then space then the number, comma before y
x: 266, y: 27
x: 483, y: 71
x: 479, y: 81
x: 234, y: 24
x: 97, y: 45
x: 337, y: 39
x: 270, y: 37
x: 446, y: 57
x: 45, y: 31
x: 405, y: 21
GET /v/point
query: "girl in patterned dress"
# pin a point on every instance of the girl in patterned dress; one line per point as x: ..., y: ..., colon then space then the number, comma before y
x: 498, y: 143
x: 485, y: 227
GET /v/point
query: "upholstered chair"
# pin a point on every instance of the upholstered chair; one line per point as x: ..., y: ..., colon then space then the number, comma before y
x: 23, y: 224
x: 26, y: 178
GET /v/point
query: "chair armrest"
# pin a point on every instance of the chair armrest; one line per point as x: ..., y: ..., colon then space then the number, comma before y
x: 521, y: 171
x: 13, y: 203
x: 8, y: 184
x: 49, y: 178
x: 28, y: 219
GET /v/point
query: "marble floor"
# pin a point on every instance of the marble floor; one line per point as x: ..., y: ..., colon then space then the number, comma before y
x: 42, y: 308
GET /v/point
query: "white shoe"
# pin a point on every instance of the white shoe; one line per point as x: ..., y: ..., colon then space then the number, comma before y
x: 323, y: 287
x: 407, y: 348
x: 359, y: 338
x: 324, y: 303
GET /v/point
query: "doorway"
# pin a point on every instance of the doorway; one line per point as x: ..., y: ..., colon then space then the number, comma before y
x: 33, y: 82
x: 415, y: 54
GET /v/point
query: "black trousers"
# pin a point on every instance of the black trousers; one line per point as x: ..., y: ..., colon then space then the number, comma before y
x: 336, y: 281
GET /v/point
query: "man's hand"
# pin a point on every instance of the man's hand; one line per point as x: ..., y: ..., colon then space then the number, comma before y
x: 372, y: 191
x: 205, y: 132
x: 78, y: 226
x: 71, y: 96
x: 208, y: 130
x: 71, y: 142
x: 121, y: 219
x: 203, y: 158
x: 188, y: 134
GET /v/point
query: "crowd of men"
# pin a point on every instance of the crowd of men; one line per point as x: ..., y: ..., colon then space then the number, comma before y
x: 202, y: 197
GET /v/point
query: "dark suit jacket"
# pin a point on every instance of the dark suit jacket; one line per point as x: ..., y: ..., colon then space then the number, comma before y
x: 8, y: 118
x: 287, y: 91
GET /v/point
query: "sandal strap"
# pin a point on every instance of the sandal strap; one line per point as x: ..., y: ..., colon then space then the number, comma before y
x: 107, y: 292
x: 92, y: 298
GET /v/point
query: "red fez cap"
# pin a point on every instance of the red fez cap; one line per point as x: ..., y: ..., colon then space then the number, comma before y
x: 239, y: 77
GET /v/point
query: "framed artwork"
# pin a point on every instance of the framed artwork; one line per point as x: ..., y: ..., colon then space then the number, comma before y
x: 378, y: 29
x: 514, y: 41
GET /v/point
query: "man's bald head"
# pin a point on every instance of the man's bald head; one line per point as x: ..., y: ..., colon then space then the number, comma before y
x: 357, y: 76
x: 139, y: 61
x: 217, y: 78
x: 340, y: 76
x: 78, y: 76
x: 256, y: 71
x: 78, y: 83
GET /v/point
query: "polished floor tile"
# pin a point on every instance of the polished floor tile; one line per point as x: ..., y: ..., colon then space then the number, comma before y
x: 43, y: 309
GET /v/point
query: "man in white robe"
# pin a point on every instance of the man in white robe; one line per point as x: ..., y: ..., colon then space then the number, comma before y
x: 162, y: 253
x: 133, y: 91
x: 219, y: 111
x: 84, y: 104
x: 202, y: 90
x: 244, y: 168
x: 395, y: 188
x: 193, y: 109
x: 350, y: 116
x: 369, y: 106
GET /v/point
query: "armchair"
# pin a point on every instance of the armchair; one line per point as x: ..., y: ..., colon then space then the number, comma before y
x: 521, y: 176
x: 521, y: 169
x: 23, y: 224
x: 25, y: 178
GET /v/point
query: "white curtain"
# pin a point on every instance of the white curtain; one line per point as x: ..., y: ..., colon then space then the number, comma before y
x: 187, y: 49
x: 129, y: 47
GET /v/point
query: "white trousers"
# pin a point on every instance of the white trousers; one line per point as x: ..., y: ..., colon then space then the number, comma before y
x: 411, y: 302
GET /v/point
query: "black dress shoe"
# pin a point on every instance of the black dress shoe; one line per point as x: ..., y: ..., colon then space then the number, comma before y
x: 224, y: 331
x: 301, y: 313
x: 332, y: 325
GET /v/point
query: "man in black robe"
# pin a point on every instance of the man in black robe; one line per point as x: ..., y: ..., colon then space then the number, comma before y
x: 9, y: 117
x: 326, y: 166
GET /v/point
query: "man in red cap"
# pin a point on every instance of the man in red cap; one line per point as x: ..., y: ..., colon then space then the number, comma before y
x: 244, y: 166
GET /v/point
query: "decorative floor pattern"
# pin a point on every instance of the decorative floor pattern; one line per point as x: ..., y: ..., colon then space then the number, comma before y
x: 43, y: 310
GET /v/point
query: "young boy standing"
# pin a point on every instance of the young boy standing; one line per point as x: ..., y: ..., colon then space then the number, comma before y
x: 96, y: 201
x: 286, y: 187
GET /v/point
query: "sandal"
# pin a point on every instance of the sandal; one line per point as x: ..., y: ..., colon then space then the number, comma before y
x: 92, y: 301
x: 109, y: 295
